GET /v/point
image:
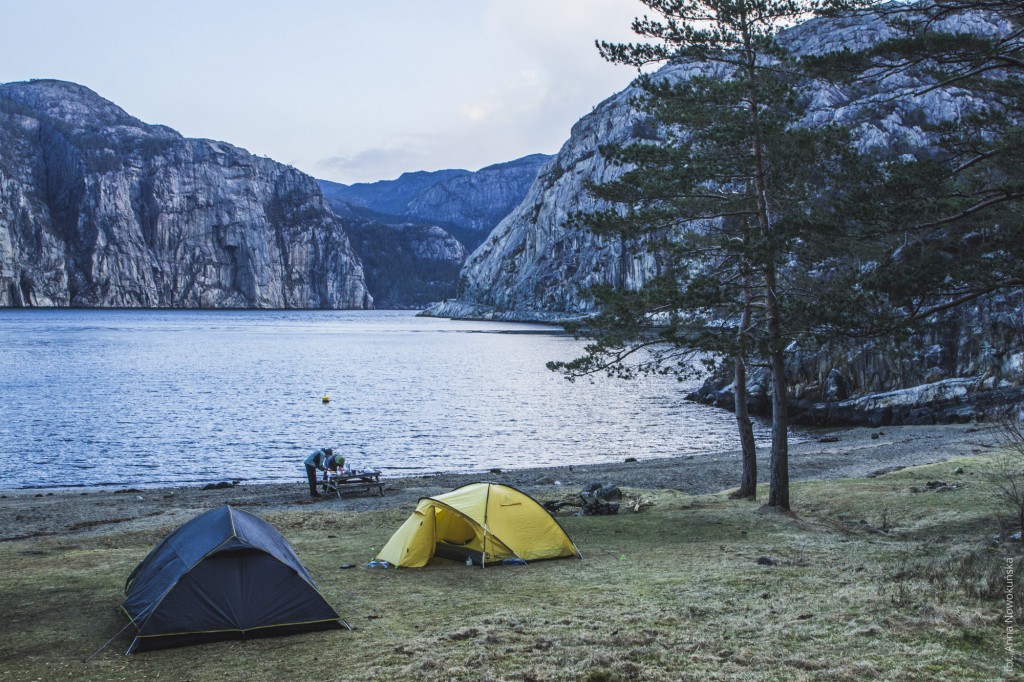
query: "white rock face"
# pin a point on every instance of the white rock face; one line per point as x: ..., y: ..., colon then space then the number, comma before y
x: 534, y: 262
x: 100, y: 209
x: 434, y: 243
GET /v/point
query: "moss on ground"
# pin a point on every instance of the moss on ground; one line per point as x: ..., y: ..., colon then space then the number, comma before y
x: 674, y: 592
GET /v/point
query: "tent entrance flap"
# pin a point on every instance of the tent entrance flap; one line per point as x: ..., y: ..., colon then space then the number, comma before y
x: 452, y: 528
x: 456, y: 529
x: 457, y: 553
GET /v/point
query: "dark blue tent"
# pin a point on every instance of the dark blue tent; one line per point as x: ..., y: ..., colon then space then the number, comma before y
x: 225, y: 574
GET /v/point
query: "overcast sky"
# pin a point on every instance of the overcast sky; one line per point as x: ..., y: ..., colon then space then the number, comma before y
x: 347, y: 90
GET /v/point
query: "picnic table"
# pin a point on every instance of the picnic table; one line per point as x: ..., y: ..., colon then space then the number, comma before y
x: 351, y: 482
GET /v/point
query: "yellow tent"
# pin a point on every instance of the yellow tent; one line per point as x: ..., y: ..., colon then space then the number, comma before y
x: 486, y: 522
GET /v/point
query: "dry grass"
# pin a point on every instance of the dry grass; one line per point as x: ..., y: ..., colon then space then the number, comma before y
x: 673, y: 593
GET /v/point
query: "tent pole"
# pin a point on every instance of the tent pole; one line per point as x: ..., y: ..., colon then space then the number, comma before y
x: 487, y: 504
x: 131, y: 621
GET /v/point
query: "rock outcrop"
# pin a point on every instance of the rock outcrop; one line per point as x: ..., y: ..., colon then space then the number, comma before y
x: 98, y: 208
x: 457, y: 309
x: 407, y: 265
x: 968, y: 365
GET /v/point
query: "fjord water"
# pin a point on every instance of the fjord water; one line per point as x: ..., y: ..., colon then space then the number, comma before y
x: 142, y: 398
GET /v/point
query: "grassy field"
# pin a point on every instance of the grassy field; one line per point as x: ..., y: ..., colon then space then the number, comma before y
x: 672, y: 593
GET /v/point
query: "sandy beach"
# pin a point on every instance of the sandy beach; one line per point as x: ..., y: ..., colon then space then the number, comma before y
x: 830, y: 454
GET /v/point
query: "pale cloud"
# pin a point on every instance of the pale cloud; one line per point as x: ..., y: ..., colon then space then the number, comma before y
x: 479, y: 111
x: 538, y: 73
x: 521, y: 94
x: 377, y: 163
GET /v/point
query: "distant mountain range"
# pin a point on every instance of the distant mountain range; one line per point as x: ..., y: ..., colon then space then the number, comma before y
x: 466, y: 204
x: 414, y: 233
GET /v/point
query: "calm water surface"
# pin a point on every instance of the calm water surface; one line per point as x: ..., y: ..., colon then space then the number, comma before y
x: 91, y: 397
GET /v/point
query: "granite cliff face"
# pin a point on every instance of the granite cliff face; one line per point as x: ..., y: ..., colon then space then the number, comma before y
x: 533, y: 263
x: 534, y: 267
x: 100, y: 209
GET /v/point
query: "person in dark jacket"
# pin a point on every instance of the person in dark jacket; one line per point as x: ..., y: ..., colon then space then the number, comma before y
x: 334, y: 462
x: 318, y: 460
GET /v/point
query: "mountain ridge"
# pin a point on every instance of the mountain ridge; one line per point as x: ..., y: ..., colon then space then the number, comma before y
x: 468, y: 204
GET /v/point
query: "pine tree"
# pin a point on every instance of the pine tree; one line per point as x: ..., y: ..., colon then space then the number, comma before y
x: 949, y: 215
x: 723, y: 197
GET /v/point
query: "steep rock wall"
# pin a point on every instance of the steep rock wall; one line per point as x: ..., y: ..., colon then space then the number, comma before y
x: 533, y: 260
x: 100, y: 209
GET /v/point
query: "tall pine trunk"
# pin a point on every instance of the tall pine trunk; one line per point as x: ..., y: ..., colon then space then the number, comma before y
x: 748, y: 479
x: 778, y: 489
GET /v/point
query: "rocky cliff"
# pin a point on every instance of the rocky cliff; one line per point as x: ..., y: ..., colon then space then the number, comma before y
x: 534, y: 267
x: 533, y: 262
x: 98, y: 208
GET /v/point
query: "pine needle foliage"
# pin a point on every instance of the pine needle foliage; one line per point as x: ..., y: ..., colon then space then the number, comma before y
x: 726, y: 196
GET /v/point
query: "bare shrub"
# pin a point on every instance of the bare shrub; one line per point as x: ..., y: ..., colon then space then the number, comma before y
x: 1006, y: 479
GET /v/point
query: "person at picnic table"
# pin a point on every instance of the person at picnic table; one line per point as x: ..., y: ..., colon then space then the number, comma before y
x: 335, y: 462
x: 318, y: 460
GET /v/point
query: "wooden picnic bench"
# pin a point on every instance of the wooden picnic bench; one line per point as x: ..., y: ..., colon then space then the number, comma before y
x: 342, y: 483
